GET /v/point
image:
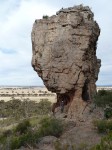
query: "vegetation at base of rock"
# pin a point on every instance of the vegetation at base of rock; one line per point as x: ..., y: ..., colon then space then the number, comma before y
x: 105, y: 144
x: 15, y: 110
x: 24, y: 134
x: 22, y: 127
x: 103, y: 126
x: 19, y: 122
x: 50, y: 126
x: 18, y: 136
x: 103, y: 98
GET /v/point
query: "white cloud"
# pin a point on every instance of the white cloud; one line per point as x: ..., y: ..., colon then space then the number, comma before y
x: 16, y: 36
x: 16, y: 20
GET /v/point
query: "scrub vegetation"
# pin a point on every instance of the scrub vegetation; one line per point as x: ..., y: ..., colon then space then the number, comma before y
x: 24, y: 123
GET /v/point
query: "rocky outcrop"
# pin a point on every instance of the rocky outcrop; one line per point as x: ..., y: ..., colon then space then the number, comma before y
x: 64, y: 56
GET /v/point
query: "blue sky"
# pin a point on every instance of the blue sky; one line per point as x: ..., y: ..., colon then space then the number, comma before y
x: 16, y: 20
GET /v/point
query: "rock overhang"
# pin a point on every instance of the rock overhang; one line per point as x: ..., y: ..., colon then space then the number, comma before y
x: 64, y: 52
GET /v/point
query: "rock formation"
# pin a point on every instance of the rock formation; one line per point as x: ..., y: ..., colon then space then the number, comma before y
x: 64, y: 56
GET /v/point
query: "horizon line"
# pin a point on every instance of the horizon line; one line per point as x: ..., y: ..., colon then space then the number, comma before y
x: 39, y: 85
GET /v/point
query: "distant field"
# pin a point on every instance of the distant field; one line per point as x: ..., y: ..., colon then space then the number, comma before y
x: 22, y: 93
x: 32, y: 93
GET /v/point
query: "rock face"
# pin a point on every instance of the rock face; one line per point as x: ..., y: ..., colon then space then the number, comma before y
x: 64, y: 56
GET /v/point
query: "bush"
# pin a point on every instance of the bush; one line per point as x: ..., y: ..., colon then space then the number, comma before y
x: 50, y: 126
x: 103, y: 98
x: 44, y: 107
x: 15, y: 142
x: 105, y: 144
x: 24, y: 139
x: 102, y: 92
x: 15, y: 110
x: 23, y: 134
x: 103, y: 126
x: 108, y: 112
x: 45, y: 17
x: 23, y: 127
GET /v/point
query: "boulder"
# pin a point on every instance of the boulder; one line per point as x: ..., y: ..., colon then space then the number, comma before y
x: 64, y: 56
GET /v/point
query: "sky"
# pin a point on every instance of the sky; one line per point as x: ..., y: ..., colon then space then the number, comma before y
x: 16, y: 21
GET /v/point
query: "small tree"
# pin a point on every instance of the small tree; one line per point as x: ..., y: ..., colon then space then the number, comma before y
x: 45, y: 17
x: 44, y: 106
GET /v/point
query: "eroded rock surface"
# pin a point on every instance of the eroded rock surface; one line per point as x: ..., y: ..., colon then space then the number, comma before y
x: 64, y: 56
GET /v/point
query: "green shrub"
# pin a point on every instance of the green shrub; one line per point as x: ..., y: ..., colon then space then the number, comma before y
x: 44, y: 107
x: 4, y: 135
x: 23, y: 133
x: 7, y: 133
x: 15, y: 142
x: 45, y: 17
x: 23, y: 127
x: 102, y: 92
x: 50, y: 126
x: 24, y: 139
x: 108, y: 112
x: 2, y: 139
x: 103, y: 98
x: 105, y: 144
x: 103, y: 126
